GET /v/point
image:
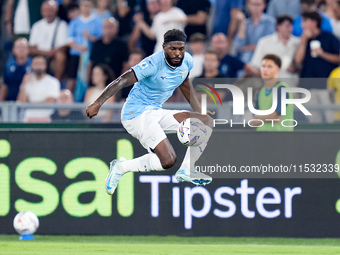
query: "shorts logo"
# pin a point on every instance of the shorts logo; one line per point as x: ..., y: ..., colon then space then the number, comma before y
x: 143, y: 65
x: 153, y: 138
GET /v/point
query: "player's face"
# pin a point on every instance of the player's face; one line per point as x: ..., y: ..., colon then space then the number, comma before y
x: 174, y: 52
x: 269, y: 70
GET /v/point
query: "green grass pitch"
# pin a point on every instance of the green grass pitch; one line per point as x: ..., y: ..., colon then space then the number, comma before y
x: 80, y: 245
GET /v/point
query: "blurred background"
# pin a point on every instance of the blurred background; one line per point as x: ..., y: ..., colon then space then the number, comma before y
x: 56, y: 57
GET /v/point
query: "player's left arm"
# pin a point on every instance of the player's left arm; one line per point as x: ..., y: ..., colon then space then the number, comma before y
x: 190, y: 95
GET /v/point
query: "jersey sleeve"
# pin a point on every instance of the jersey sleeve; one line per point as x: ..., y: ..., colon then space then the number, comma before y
x: 146, y: 68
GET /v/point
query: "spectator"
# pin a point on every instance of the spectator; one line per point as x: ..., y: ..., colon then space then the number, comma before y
x: 168, y: 18
x: 20, y: 15
x: 83, y: 31
x: 64, y: 6
x: 109, y: 50
x: 39, y: 87
x: 148, y: 13
x: 135, y: 58
x: 124, y: 14
x: 15, y: 69
x: 67, y: 115
x: 280, y: 7
x: 225, y: 19
x: 48, y: 38
x: 270, y: 69
x: 327, y: 55
x: 283, y: 44
x: 333, y: 83
x: 328, y: 8
x: 309, y: 6
x: 73, y: 11
x: 103, y: 9
x: 197, y: 12
x: 102, y: 75
x: 197, y: 46
x: 229, y: 65
x: 334, y: 16
x: 211, y: 64
x: 318, y: 61
x: 252, y: 29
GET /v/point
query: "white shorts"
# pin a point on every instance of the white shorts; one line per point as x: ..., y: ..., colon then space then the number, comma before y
x: 149, y: 126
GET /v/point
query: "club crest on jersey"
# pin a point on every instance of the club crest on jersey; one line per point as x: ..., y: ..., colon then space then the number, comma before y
x: 142, y: 65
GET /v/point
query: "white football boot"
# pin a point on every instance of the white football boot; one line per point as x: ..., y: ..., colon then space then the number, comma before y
x: 113, y: 177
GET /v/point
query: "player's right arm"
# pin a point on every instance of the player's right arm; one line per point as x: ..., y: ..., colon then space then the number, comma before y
x: 126, y: 79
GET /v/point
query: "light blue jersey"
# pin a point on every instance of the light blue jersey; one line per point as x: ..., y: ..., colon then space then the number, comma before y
x: 156, y: 83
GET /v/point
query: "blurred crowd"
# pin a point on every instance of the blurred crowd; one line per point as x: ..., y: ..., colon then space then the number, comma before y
x: 67, y: 51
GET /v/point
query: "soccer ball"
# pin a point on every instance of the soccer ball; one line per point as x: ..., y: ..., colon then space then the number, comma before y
x: 191, y: 132
x: 26, y: 223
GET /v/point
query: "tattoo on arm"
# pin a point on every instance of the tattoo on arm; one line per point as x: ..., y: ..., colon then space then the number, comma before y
x: 126, y: 79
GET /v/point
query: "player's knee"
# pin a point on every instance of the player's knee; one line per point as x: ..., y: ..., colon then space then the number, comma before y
x: 169, y: 161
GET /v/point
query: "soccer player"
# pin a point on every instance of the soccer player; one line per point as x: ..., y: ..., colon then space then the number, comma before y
x: 155, y: 78
x: 271, y: 66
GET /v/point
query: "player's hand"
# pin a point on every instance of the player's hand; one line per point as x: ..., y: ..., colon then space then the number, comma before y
x: 210, y: 113
x: 93, y: 109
